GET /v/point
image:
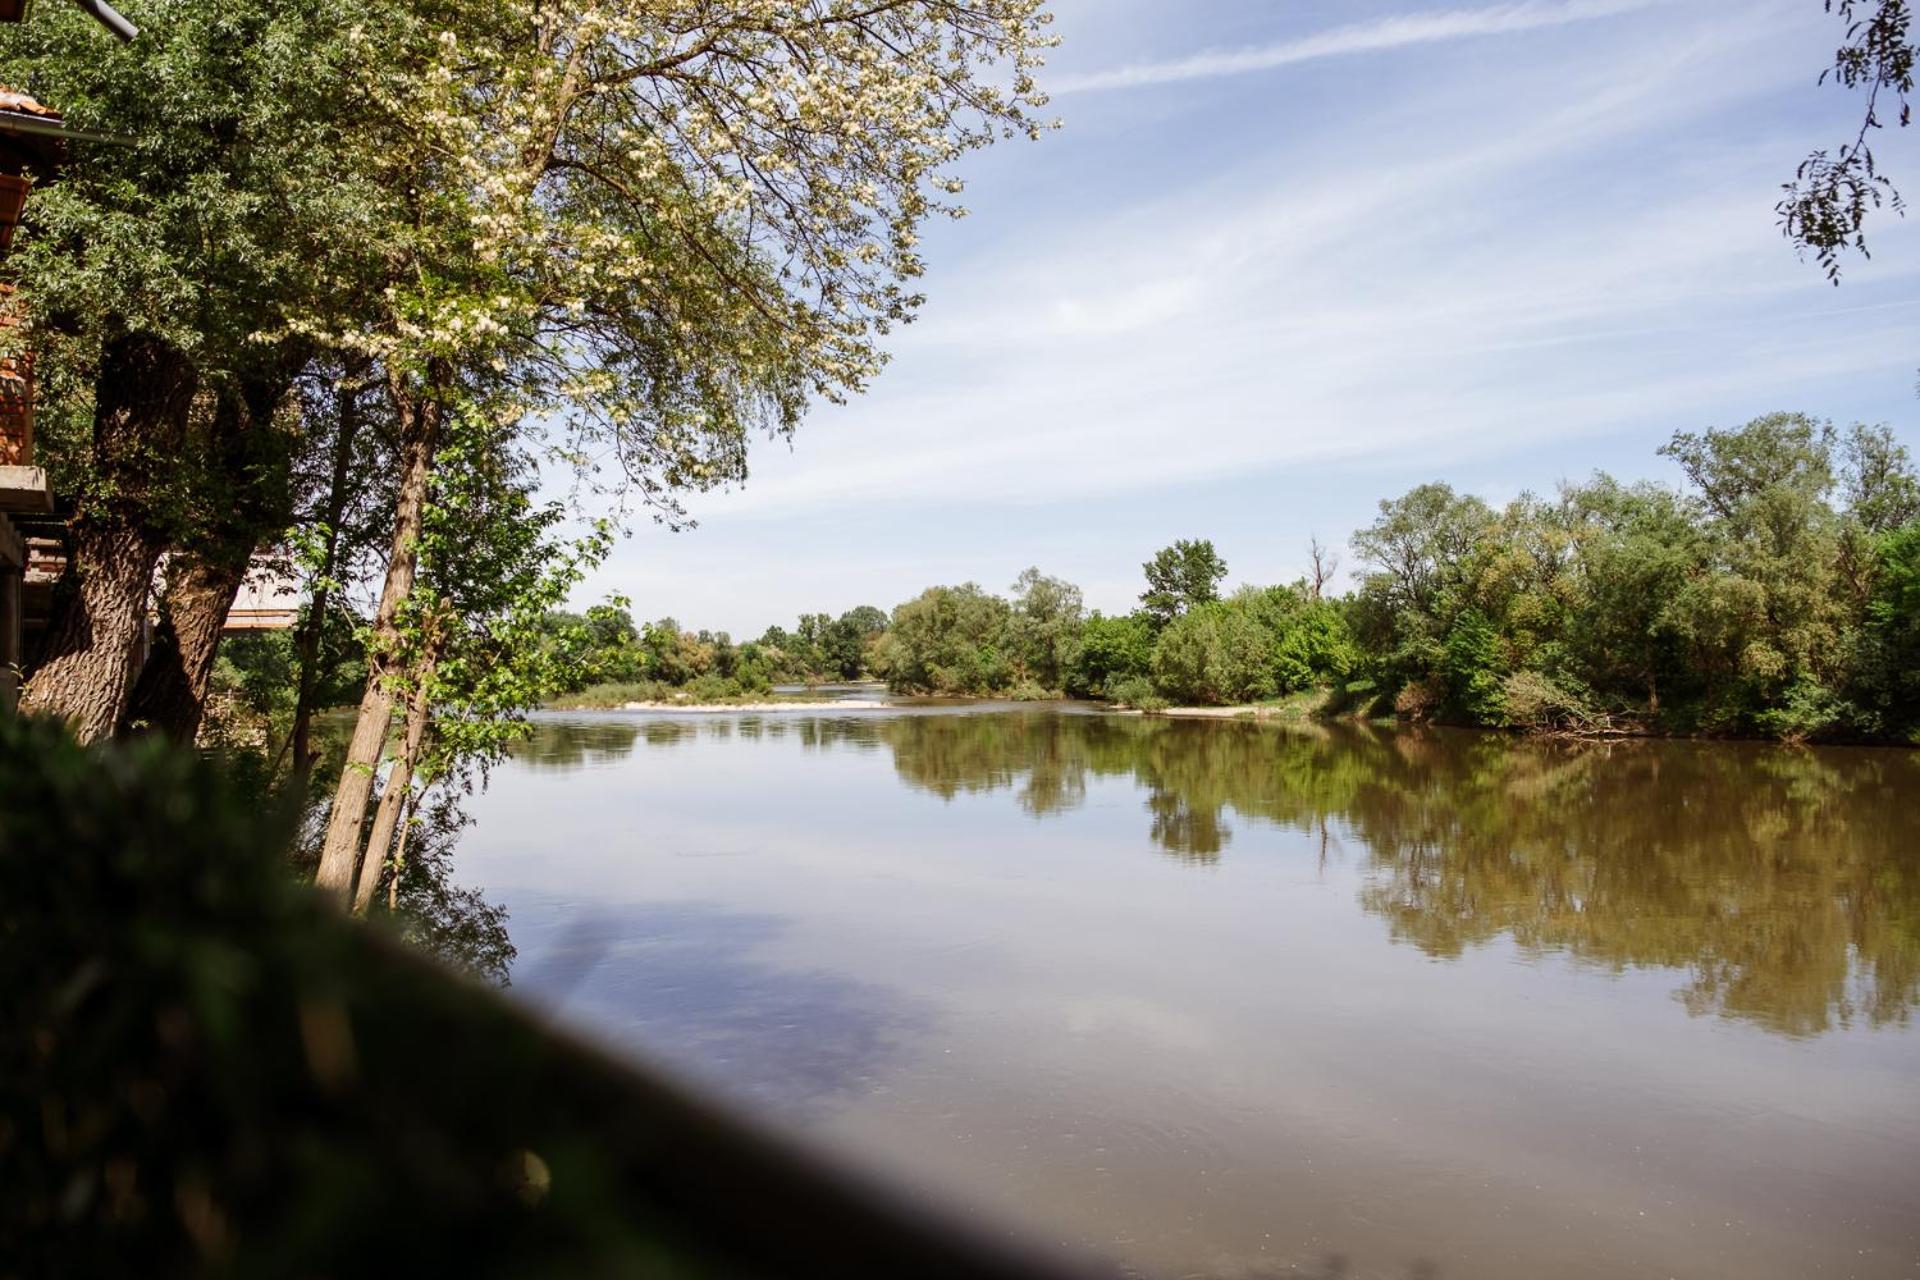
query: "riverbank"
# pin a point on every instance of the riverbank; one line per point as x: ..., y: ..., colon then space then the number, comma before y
x: 1309, y: 705
x: 731, y: 706
x: 649, y: 696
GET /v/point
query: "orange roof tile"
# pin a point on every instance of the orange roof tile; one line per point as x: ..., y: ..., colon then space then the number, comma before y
x: 25, y: 103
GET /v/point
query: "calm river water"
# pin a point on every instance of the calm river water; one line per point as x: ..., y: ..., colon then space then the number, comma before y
x: 1222, y: 999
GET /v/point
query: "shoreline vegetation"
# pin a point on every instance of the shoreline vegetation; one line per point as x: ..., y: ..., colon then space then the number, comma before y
x: 1775, y: 595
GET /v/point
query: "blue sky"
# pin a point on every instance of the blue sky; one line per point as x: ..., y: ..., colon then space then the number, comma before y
x: 1287, y: 257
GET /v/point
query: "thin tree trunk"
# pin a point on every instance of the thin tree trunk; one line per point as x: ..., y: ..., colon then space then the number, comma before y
x: 400, y: 854
x: 92, y: 649
x: 314, y: 628
x: 393, y: 798
x: 170, y: 695
x: 420, y: 431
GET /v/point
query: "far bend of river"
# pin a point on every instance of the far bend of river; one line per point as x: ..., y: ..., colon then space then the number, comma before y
x: 1226, y: 999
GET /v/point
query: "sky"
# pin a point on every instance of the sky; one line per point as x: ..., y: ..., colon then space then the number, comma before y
x: 1285, y: 258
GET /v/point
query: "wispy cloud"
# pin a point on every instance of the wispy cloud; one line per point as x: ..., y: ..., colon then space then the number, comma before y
x: 1366, y: 37
x: 1287, y: 315
x: 1501, y: 265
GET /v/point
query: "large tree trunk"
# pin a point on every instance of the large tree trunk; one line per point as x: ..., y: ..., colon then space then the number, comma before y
x: 240, y: 498
x: 94, y: 640
x: 419, y: 416
x: 171, y: 694
x: 393, y: 799
x: 92, y: 649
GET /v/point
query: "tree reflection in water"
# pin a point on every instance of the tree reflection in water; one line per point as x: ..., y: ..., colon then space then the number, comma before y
x: 1784, y: 881
x: 562, y: 746
x: 454, y: 922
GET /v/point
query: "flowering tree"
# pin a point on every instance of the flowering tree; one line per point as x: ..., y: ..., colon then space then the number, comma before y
x: 660, y: 226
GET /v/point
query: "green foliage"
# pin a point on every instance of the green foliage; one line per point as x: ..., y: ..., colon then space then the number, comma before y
x: 234, y: 205
x: 1894, y: 611
x: 1137, y: 692
x: 1029, y: 690
x: 1311, y: 643
x: 948, y: 640
x: 1214, y: 653
x: 843, y: 643
x: 251, y: 694
x: 663, y: 662
x: 1113, y: 651
x: 1181, y: 577
x: 1471, y: 671
x: 1889, y: 673
x: 1044, y: 631
x: 1420, y: 546
x: 1740, y: 604
x: 492, y: 570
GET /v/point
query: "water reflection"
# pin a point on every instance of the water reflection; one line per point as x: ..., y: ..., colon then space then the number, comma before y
x: 1782, y: 881
x: 555, y: 745
x: 680, y: 983
x: 453, y: 921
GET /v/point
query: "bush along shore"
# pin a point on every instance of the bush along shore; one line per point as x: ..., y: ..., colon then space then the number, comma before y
x: 1774, y: 593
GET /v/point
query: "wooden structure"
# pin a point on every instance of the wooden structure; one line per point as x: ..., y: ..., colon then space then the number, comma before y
x: 268, y: 600
x: 30, y: 147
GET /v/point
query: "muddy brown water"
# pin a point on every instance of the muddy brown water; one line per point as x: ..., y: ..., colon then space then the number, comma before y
x: 1225, y: 999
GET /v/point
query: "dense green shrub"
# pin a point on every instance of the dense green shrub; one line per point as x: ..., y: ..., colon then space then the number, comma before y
x: 1889, y: 661
x: 1137, y: 692
x: 1473, y: 675
x: 948, y: 640
x: 1214, y: 653
x: 1113, y: 650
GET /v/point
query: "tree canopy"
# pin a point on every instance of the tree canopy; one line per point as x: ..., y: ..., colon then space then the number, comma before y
x: 1180, y: 577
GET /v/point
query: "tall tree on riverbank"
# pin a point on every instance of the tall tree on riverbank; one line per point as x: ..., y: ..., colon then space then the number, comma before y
x: 1181, y: 577
x: 664, y: 230
x: 475, y: 657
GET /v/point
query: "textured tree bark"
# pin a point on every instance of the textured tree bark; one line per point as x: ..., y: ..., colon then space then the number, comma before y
x: 93, y: 642
x: 170, y: 695
x: 91, y: 652
x: 240, y: 498
x: 419, y: 416
x: 400, y: 855
x: 399, y: 788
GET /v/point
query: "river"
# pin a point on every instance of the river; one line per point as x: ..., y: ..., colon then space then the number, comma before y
x: 1238, y: 1000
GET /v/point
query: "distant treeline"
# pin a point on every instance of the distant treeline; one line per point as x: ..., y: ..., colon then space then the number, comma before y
x: 608, y: 651
x: 1778, y: 592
